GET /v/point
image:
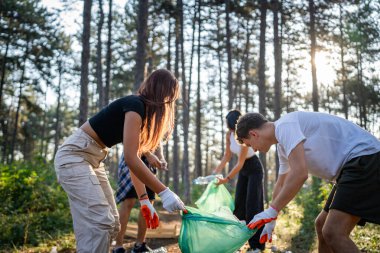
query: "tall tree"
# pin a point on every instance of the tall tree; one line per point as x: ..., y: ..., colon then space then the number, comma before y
x: 185, y: 110
x: 57, y: 112
x: 342, y: 62
x: 19, y: 100
x: 261, y: 83
x: 198, y: 134
x: 142, y: 35
x: 99, y: 66
x: 313, y: 47
x: 168, y: 66
x: 277, y: 66
x: 277, y: 59
x: 108, y: 55
x: 219, y: 38
x: 230, y: 86
x: 175, y: 132
x: 3, y: 68
x: 85, y: 58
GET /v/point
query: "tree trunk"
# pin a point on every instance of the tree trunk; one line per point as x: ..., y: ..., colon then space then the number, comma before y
x: 221, y: 110
x: 3, y: 70
x: 142, y: 37
x: 362, y: 91
x: 57, y: 127
x: 43, y: 130
x: 185, y: 111
x: 247, y: 96
x: 28, y: 144
x: 315, y: 96
x: 108, y: 56
x: 99, y: 67
x: 344, y: 75
x: 198, y: 134
x: 229, y: 56
x: 261, y: 84
x: 175, y: 133
x: 168, y: 66
x: 83, y: 104
x: 167, y: 157
x: 3, y: 122
x: 277, y: 61
x: 169, y: 56
x: 15, y: 125
x: 277, y: 69
x: 4, y: 145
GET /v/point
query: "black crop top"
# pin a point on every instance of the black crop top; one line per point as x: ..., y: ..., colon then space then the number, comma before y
x: 109, y: 122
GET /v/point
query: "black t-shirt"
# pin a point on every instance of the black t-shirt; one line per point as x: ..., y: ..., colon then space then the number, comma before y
x: 109, y: 122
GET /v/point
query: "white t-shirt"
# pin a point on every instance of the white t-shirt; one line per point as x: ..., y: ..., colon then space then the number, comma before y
x: 235, y: 147
x: 329, y: 142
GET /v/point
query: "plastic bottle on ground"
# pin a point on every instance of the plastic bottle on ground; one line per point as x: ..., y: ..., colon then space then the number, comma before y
x: 160, y: 250
x: 207, y: 179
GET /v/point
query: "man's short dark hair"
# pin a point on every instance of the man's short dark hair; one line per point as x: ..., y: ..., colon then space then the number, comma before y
x: 248, y: 122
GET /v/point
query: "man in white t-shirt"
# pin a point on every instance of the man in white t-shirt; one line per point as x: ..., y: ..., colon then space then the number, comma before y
x: 330, y: 148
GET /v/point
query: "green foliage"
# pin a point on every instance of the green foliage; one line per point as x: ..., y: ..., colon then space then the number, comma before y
x: 295, y: 226
x: 34, y: 205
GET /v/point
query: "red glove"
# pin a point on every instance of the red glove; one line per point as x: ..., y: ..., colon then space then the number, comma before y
x: 262, y: 218
x: 149, y: 213
x: 266, y: 235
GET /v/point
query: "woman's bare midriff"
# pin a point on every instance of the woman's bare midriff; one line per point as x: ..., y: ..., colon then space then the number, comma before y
x: 86, y: 127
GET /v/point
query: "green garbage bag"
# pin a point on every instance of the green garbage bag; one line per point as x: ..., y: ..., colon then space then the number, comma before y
x: 218, y: 232
x: 214, y: 197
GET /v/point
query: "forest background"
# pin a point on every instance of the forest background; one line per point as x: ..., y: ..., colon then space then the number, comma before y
x: 62, y: 61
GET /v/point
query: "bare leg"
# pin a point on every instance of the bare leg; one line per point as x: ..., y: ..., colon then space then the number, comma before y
x: 141, y: 229
x: 124, y: 213
x: 336, y: 231
x: 319, y: 223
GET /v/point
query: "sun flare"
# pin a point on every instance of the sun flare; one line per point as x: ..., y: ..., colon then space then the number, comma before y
x: 326, y: 74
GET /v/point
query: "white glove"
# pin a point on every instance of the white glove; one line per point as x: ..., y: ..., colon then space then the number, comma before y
x: 262, y: 218
x: 149, y: 213
x: 170, y: 201
x: 266, y: 235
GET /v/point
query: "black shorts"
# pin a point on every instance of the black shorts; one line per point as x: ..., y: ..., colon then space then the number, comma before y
x: 131, y: 194
x: 357, y: 188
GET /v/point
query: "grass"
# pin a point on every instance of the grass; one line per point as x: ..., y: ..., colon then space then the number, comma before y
x: 64, y: 244
x: 295, y: 226
x: 294, y: 231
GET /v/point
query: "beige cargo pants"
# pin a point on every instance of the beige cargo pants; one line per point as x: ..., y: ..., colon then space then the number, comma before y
x: 80, y: 171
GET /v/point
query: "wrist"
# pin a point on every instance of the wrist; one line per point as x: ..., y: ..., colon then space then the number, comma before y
x: 274, y: 208
x: 143, y: 196
x: 228, y: 178
x: 144, y: 202
x: 164, y: 191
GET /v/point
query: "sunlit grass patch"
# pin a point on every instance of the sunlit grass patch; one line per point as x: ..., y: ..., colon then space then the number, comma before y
x: 367, y: 238
x: 64, y: 244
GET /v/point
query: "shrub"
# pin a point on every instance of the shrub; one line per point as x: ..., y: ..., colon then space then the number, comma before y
x: 34, y: 205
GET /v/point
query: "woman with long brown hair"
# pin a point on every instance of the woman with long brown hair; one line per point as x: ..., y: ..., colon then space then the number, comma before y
x: 140, y: 122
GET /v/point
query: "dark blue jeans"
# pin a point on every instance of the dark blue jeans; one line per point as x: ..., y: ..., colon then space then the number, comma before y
x: 249, y: 199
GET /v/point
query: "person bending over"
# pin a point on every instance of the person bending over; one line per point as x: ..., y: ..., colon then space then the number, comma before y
x: 126, y: 198
x: 138, y: 121
x: 249, y: 194
x: 330, y: 148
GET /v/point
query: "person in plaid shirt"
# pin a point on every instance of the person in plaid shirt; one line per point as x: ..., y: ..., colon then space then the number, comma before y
x: 126, y: 197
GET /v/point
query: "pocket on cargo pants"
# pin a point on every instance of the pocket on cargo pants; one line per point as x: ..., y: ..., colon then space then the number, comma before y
x: 92, y: 218
x: 109, y: 194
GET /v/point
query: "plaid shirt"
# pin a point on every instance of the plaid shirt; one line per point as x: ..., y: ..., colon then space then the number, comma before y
x: 124, y: 184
